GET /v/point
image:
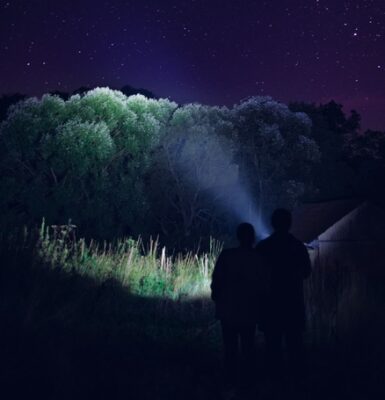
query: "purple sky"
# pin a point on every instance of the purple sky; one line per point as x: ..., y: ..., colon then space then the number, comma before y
x: 212, y: 51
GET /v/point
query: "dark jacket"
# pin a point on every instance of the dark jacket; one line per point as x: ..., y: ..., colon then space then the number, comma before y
x: 289, y: 264
x: 237, y: 284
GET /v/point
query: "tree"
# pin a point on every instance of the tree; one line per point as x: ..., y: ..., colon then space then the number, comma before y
x: 193, y: 159
x: 214, y: 164
x: 365, y: 154
x: 8, y: 100
x: 330, y: 127
x: 83, y: 159
x: 118, y: 165
x: 276, y: 152
x: 130, y: 91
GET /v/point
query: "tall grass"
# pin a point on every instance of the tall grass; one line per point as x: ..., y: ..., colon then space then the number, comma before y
x: 146, y: 270
x: 338, y: 299
x: 78, y: 303
x: 344, y: 305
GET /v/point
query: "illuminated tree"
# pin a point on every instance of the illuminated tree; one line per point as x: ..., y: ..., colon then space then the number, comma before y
x: 192, y: 161
x: 82, y: 159
x: 119, y: 165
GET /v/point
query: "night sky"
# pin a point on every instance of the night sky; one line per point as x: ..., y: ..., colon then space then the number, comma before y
x: 211, y: 51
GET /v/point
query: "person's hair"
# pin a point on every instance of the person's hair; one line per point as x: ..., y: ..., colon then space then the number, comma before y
x: 246, y: 233
x: 281, y: 220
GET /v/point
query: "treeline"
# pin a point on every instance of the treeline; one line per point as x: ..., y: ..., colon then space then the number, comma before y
x: 118, y: 165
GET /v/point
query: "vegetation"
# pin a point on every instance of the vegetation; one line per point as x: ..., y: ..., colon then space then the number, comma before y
x: 119, y: 166
x: 88, y: 302
x: 85, y: 321
x: 82, y: 319
x: 83, y: 159
x: 142, y: 270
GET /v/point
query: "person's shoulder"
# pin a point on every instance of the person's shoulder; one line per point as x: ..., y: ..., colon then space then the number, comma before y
x: 296, y: 240
x: 228, y: 255
x: 263, y: 243
x: 228, y: 252
x: 297, y: 243
x: 264, y: 248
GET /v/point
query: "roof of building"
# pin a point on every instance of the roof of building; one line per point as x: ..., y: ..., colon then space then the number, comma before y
x: 312, y: 219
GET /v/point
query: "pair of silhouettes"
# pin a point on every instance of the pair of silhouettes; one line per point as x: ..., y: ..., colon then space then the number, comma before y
x: 262, y: 286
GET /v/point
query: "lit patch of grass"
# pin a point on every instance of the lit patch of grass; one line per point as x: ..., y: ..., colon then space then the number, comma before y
x: 143, y: 271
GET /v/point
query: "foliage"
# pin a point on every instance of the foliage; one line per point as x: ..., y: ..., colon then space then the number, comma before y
x: 76, y: 332
x: 276, y: 151
x: 83, y: 159
x: 330, y: 129
x: 86, y: 320
x: 144, y: 271
x: 194, y: 157
x: 365, y: 154
x: 119, y: 166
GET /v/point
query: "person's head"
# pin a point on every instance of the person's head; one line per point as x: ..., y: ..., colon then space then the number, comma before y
x: 246, y: 234
x: 281, y: 220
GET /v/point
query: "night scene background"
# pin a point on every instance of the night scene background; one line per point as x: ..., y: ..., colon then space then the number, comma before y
x: 213, y: 52
x: 134, y: 137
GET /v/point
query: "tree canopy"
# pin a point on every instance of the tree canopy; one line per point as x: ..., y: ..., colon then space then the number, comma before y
x: 81, y: 159
x: 128, y: 165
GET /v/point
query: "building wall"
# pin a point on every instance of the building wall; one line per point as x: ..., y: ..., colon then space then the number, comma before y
x: 356, y: 241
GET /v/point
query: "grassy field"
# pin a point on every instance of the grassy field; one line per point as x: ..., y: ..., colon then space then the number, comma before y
x: 130, y: 320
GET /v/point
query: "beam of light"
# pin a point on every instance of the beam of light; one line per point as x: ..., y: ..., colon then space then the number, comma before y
x: 209, y: 166
x: 245, y: 209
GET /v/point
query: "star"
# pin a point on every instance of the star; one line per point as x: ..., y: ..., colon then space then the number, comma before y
x: 199, y: 44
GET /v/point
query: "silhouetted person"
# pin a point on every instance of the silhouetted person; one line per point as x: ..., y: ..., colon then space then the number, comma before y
x: 288, y: 263
x: 235, y: 293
